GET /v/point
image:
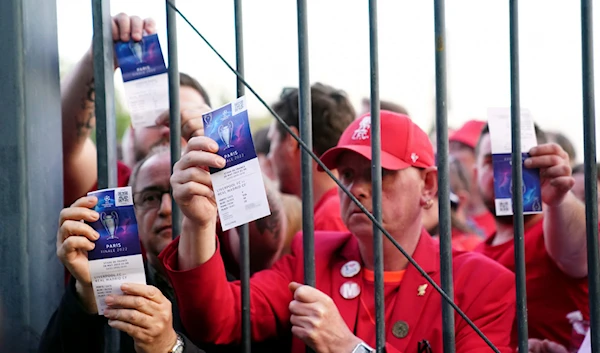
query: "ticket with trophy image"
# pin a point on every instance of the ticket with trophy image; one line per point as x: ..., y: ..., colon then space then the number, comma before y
x: 145, y: 79
x: 239, y: 188
x: 499, y: 121
x: 117, y: 257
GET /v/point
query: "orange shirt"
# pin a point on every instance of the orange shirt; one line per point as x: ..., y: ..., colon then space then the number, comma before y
x: 365, y: 323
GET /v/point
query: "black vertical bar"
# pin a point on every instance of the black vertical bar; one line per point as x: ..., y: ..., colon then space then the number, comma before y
x: 443, y: 179
x: 517, y: 177
x: 106, y: 130
x: 591, y: 174
x: 376, y: 178
x: 243, y: 229
x: 174, y: 114
x: 304, y: 105
x: 305, y: 115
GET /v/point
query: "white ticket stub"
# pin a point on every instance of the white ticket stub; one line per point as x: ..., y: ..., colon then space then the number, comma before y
x: 239, y: 187
x: 145, y: 79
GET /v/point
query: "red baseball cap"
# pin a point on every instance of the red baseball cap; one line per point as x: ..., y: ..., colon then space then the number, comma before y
x: 469, y: 133
x: 403, y: 143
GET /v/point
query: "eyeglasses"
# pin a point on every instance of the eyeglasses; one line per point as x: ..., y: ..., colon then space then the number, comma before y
x: 149, y: 199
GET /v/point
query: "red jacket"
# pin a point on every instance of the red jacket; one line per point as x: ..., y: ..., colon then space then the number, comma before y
x: 210, y: 306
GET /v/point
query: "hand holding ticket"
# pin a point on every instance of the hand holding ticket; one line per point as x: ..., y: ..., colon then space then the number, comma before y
x: 238, y: 186
x: 145, y: 79
x: 73, y: 241
x: 220, y: 171
x: 116, y: 257
x: 500, y: 133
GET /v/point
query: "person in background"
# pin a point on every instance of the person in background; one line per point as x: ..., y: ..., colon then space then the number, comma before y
x: 461, y: 146
x: 555, y: 241
x: 383, y: 105
x: 462, y: 232
x: 292, y: 204
x: 152, y: 323
x: 262, y: 147
x: 337, y: 314
x: 136, y: 143
x: 332, y: 112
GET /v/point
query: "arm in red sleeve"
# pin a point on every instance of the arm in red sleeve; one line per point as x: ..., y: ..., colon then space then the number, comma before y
x: 492, y: 309
x: 210, y: 307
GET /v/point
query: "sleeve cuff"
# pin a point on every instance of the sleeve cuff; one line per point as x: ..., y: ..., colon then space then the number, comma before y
x: 75, y: 310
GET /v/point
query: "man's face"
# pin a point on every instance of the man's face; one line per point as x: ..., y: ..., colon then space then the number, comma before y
x: 153, y: 203
x: 485, y: 173
x: 284, y: 163
x: 401, y: 195
x: 144, y: 139
x: 464, y: 154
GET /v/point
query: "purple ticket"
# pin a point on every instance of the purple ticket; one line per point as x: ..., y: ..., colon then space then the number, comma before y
x: 117, y: 225
x: 140, y: 59
x: 239, y: 187
x: 117, y: 258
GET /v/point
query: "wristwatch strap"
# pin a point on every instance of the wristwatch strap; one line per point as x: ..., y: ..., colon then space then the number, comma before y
x: 179, y: 345
x: 362, y: 347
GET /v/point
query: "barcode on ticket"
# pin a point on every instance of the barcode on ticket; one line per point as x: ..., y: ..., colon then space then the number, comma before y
x: 123, y: 197
x: 504, y: 207
x: 238, y: 106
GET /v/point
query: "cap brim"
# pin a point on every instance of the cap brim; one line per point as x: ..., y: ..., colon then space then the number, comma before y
x: 459, y: 136
x: 388, y: 161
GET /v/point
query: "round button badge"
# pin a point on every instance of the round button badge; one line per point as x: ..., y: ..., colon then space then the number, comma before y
x: 350, y: 269
x: 350, y: 290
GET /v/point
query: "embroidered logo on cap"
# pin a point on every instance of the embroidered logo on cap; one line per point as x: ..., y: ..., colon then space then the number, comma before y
x: 414, y: 157
x: 362, y: 132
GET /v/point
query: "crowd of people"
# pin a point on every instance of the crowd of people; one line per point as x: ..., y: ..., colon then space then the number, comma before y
x: 192, y: 302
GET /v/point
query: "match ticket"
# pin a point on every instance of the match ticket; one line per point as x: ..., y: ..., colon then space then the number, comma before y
x: 117, y: 257
x: 499, y: 122
x: 145, y: 79
x: 239, y: 188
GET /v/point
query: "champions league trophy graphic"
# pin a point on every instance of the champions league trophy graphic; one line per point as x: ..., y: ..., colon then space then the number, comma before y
x: 137, y: 48
x: 207, y: 118
x: 110, y: 223
x: 226, y: 133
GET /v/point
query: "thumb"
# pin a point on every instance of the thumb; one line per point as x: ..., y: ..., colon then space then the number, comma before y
x: 294, y: 285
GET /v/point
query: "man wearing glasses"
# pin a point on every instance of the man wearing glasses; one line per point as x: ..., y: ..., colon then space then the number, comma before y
x: 147, y: 315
